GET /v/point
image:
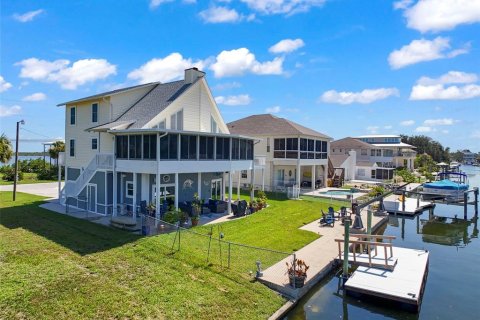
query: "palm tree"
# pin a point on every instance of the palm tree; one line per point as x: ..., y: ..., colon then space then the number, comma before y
x: 55, y: 149
x: 6, y: 150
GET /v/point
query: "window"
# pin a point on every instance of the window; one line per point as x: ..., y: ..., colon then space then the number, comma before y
x: 363, y: 152
x: 169, y: 147
x: 122, y: 147
x: 188, y: 150
x: 379, y: 152
x: 161, y: 125
x: 150, y: 146
x: 223, y: 148
x: 135, y: 147
x: 129, y: 189
x: 206, y: 148
x: 268, y: 144
x: 73, y: 115
x: 373, y: 174
x: 213, y: 125
x: 94, y: 144
x: 176, y: 120
x: 94, y: 112
x: 388, y: 153
x: 244, y: 174
x: 72, y: 148
x: 361, y: 172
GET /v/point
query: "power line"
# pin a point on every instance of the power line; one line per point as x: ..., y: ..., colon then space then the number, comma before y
x: 36, y: 133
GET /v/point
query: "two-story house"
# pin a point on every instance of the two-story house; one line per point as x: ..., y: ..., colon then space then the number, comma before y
x: 293, y: 154
x: 372, y: 157
x: 153, y: 143
x: 469, y: 157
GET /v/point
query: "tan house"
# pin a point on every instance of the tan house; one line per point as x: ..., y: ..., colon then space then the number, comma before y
x: 294, y: 155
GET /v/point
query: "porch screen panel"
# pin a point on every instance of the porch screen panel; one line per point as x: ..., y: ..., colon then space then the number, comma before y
x: 324, y: 149
x: 150, y: 146
x: 303, y: 148
x: 279, y: 148
x: 249, y: 150
x: 223, y: 148
x: 188, y: 149
x: 206, y: 148
x: 235, y: 149
x: 135, y: 147
x: 122, y: 147
x: 292, y: 148
x: 243, y: 149
x: 168, y: 147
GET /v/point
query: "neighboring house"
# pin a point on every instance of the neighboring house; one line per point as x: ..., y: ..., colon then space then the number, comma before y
x: 293, y: 154
x: 468, y: 157
x: 372, y: 157
x: 153, y: 143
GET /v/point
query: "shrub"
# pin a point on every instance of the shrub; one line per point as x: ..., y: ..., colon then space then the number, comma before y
x: 376, y: 191
x: 9, y: 174
x: 406, y: 175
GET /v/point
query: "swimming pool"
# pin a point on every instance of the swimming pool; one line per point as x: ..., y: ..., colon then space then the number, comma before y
x: 338, y: 192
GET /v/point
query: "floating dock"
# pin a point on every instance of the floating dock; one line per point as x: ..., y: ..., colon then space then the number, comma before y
x: 404, y: 284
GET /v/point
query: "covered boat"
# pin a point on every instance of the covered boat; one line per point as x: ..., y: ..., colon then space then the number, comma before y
x: 451, y: 186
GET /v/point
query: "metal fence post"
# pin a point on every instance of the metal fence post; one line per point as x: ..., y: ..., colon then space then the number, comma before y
x: 294, y: 269
x: 229, y: 255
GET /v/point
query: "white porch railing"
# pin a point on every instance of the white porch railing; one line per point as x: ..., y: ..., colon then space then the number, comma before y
x: 99, y: 161
x: 260, y: 161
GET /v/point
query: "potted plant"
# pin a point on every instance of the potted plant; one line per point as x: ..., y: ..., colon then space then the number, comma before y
x: 151, y: 209
x: 183, y: 218
x: 297, y: 273
x: 253, y: 206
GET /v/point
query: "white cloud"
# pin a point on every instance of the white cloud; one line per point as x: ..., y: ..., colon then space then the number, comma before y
x: 4, y: 85
x: 438, y: 88
x: 9, y: 111
x: 240, y: 100
x: 287, y: 7
x: 286, y: 46
x: 240, y: 61
x: 387, y: 127
x: 172, y: 67
x: 373, y: 129
x: 407, y: 123
x: 228, y: 85
x: 475, y: 134
x: 223, y: 15
x: 275, y: 109
x: 449, y: 77
x: 442, y: 92
x: 423, y: 129
x: 366, y: 96
x: 28, y: 16
x: 424, y: 50
x: 39, y: 96
x: 156, y: 3
x: 69, y: 77
x: 439, y: 122
x: 402, y: 4
x: 441, y: 15
x: 445, y: 131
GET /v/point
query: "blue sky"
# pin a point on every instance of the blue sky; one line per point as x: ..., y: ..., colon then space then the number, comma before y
x: 344, y: 68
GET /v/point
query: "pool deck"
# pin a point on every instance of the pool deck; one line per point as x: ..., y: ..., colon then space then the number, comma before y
x: 319, y: 255
x: 321, y: 193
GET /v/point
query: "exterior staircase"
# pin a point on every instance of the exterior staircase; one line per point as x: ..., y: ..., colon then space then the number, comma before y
x: 99, y: 161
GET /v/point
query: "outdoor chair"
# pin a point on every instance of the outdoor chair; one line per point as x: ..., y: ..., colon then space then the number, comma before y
x: 327, y: 219
x: 217, y: 206
x: 239, y: 208
x: 143, y: 207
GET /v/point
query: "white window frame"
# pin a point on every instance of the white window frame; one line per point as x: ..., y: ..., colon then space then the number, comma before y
x: 127, y: 183
x: 96, y: 144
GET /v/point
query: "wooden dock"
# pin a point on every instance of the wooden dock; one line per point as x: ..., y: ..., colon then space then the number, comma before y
x: 409, y: 206
x: 404, y: 284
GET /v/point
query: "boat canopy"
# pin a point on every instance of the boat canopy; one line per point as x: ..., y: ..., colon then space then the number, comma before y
x: 445, y: 184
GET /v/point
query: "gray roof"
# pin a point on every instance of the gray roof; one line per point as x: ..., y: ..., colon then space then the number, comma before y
x: 349, y: 142
x: 267, y: 124
x: 108, y: 93
x: 154, y: 102
x: 338, y: 159
x: 111, y: 125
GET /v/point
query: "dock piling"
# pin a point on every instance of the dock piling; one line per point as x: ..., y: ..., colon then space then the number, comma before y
x: 475, y: 192
x: 345, y: 247
x: 369, y: 222
x: 465, y: 205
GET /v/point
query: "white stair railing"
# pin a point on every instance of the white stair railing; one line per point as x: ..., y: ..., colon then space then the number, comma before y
x: 99, y: 161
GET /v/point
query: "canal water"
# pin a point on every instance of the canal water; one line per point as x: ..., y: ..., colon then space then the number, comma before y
x: 453, y: 284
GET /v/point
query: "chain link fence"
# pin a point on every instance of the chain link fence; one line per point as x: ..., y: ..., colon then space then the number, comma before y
x: 208, y: 246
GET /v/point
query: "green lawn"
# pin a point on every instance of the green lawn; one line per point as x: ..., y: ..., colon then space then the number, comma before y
x: 27, y: 179
x: 55, y: 266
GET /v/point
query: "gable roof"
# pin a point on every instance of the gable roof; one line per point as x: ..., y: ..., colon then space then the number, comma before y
x: 349, y: 142
x: 154, y: 102
x: 108, y: 93
x: 338, y: 159
x: 267, y: 124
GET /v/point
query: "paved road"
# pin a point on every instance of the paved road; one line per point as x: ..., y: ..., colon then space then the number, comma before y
x: 49, y: 190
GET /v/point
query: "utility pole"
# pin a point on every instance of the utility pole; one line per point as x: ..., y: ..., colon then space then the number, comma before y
x: 15, y: 178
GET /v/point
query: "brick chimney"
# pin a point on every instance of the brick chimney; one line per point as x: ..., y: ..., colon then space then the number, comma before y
x: 193, y: 74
